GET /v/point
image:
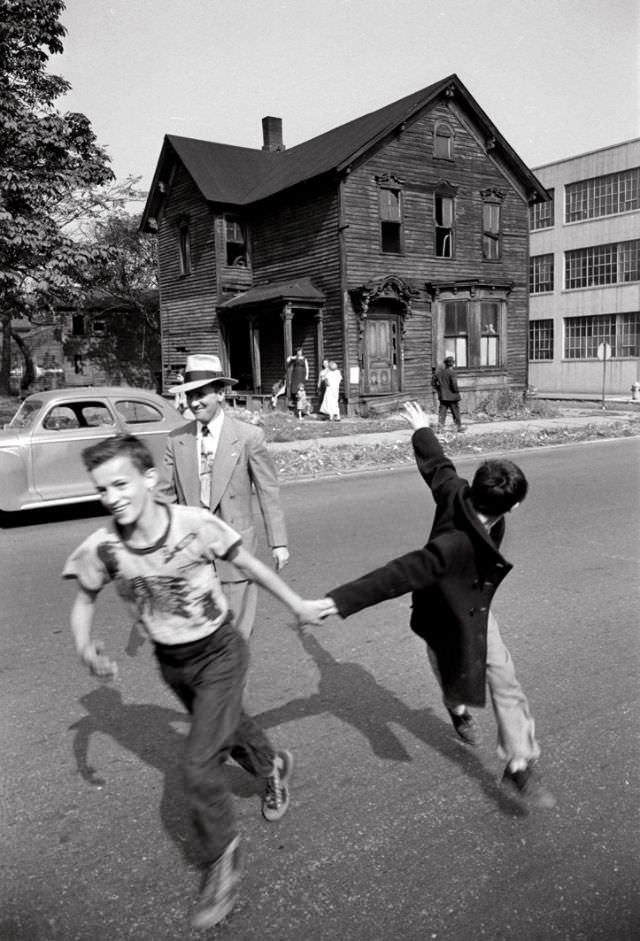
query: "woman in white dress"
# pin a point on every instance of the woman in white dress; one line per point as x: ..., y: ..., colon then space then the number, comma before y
x: 330, y: 406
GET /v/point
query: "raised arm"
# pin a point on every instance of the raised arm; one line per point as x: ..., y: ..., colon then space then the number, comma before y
x: 436, y: 469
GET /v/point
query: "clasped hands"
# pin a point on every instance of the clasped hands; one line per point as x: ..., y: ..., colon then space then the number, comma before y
x: 314, y: 612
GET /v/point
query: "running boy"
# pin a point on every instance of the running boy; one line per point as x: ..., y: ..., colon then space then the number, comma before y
x: 453, y: 580
x: 160, y: 558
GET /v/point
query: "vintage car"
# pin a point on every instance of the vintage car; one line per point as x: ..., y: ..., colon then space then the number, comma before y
x: 41, y: 447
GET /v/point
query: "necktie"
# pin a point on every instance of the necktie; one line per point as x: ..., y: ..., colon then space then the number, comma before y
x: 206, y: 463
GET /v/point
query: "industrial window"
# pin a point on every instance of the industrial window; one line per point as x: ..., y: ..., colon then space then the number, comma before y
x: 443, y: 142
x: 540, y: 339
x: 602, y: 196
x: 583, y: 335
x: 184, y: 248
x: 491, y: 247
x: 541, y: 214
x: 444, y: 213
x: 390, y: 204
x: 597, y: 265
x: 540, y: 273
x: 235, y: 241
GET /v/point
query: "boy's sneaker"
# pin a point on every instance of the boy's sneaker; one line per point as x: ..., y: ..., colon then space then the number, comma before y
x: 275, y: 800
x: 219, y: 888
x: 466, y: 727
x: 525, y: 785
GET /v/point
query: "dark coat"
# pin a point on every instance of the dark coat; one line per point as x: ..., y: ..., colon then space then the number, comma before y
x: 453, y: 579
x: 446, y: 384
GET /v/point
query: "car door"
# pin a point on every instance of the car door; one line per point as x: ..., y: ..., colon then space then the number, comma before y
x: 66, y: 427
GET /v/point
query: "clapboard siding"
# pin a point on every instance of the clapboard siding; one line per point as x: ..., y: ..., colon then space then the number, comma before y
x: 409, y: 158
x: 187, y: 302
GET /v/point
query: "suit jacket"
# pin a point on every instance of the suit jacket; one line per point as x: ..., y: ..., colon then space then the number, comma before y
x: 242, y: 464
x: 453, y: 579
x: 447, y: 384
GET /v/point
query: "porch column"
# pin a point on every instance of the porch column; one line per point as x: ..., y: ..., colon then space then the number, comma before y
x: 254, y: 341
x: 287, y: 317
x: 319, y: 318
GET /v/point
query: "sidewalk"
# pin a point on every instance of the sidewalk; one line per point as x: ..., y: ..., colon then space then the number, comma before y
x: 473, y: 430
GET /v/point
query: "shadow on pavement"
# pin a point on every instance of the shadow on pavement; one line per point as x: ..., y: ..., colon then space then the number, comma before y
x: 351, y: 694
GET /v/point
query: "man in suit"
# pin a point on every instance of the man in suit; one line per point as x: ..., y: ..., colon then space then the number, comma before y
x: 217, y: 461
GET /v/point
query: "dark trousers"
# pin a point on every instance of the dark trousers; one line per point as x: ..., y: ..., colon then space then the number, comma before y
x: 442, y: 413
x: 208, y: 676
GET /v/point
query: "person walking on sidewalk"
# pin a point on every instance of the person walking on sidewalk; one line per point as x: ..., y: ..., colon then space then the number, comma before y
x: 159, y: 558
x: 445, y: 383
x: 453, y: 580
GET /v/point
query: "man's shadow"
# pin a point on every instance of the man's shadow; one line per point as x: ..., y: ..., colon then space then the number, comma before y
x: 147, y: 731
x: 354, y: 696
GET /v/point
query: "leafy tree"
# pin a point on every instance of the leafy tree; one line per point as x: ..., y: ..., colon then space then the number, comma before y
x: 46, y: 159
x: 120, y: 290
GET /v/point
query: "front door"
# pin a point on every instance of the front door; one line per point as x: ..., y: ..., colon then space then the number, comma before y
x: 381, y: 355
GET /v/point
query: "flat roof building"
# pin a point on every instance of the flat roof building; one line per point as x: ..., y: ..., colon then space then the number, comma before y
x: 584, y: 273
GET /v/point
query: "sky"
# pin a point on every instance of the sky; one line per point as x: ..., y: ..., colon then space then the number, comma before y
x: 557, y: 77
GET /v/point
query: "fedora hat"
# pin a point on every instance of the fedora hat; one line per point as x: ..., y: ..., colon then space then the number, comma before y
x: 201, y: 369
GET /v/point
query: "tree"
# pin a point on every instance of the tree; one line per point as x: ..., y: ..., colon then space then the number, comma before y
x: 46, y: 159
x: 121, y: 293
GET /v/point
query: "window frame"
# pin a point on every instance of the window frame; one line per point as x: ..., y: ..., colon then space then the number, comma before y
x: 391, y: 221
x: 594, y: 266
x: 439, y: 136
x: 541, y: 215
x: 476, y: 345
x: 441, y: 231
x: 581, y: 336
x: 541, y: 273
x: 184, y: 248
x: 610, y: 194
x: 541, y: 340
x: 491, y: 236
x: 231, y: 219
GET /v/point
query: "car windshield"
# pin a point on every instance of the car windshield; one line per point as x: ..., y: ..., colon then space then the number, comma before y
x: 26, y: 414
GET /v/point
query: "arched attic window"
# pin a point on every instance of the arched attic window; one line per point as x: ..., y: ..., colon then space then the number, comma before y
x: 443, y: 141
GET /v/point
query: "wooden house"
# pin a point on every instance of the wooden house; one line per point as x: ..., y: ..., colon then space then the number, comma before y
x: 382, y: 244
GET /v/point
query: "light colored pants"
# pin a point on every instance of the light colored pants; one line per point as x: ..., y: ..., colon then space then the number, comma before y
x: 516, y: 728
x: 243, y: 601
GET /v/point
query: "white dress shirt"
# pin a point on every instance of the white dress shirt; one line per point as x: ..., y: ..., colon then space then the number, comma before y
x: 207, y: 445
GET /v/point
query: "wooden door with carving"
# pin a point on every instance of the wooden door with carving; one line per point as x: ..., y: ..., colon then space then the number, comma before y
x: 382, y: 355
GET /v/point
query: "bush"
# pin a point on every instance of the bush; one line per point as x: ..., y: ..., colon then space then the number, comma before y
x: 506, y: 403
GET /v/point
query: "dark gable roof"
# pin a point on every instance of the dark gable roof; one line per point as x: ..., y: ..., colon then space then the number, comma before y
x: 241, y: 175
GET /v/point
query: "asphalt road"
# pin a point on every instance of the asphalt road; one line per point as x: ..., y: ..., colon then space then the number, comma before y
x: 396, y: 831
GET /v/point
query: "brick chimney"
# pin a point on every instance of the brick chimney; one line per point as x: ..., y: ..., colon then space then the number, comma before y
x: 272, y: 134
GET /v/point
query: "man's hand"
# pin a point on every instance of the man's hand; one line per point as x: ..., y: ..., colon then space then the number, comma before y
x: 415, y: 415
x: 313, y: 612
x: 97, y: 662
x: 280, y: 557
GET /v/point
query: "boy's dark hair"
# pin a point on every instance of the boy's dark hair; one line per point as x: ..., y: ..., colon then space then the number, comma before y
x: 119, y: 446
x: 497, y: 486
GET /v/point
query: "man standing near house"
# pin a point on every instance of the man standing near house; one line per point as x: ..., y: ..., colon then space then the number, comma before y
x: 217, y: 462
x: 445, y: 383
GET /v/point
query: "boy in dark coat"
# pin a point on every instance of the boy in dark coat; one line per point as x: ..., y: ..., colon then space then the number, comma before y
x: 453, y: 580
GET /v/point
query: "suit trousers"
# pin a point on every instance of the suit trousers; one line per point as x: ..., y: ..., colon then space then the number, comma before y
x: 208, y: 677
x: 516, y: 727
x: 442, y: 413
